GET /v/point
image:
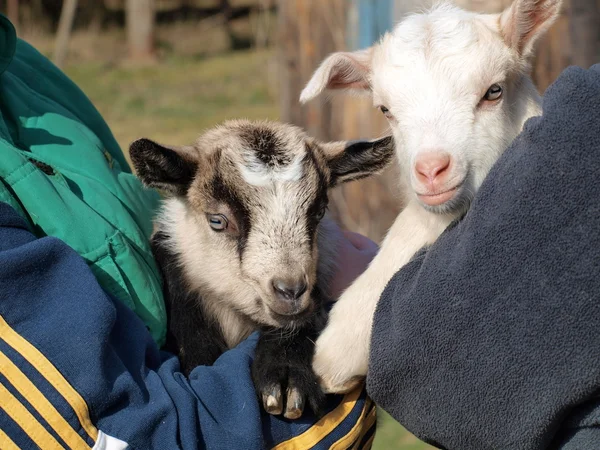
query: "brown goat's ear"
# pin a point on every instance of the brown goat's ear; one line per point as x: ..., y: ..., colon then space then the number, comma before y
x: 168, y: 168
x: 525, y: 21
x: 341, y: 70
x: 352, y: 160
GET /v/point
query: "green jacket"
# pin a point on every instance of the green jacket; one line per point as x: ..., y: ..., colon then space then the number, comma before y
x: 63, y: 171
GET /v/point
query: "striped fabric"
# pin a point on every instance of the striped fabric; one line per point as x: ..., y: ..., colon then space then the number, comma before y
x: 79, y: 370
x: 350, y: 424
x: 38, y: 405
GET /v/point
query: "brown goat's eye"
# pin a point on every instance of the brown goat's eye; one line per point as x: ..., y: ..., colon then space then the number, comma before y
x: 321, y: 212
x: 217, y: 222
x: 493, y: 93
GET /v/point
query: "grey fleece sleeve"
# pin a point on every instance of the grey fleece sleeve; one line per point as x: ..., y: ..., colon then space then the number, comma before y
x: 491, y: 338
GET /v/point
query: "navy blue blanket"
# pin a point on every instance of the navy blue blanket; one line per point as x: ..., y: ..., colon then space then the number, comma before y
x: 491, y: 338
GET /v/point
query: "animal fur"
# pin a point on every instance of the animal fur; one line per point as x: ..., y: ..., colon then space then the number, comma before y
x: 270, y: 182
x: 434, y: 77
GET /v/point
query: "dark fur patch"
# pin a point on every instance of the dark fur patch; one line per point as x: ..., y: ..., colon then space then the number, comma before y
x: 268, y: 147
x: 320, y: 201
x: 361, y: 159
x: 160, y: 167
x: 190, y: 335
x: 222, y: 192
x: 286, y: 359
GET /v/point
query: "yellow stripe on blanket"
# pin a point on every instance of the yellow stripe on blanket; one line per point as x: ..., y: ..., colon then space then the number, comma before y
x: 52, y: 375
x: 369, y: 423
x: 324, y: 426
x: 41, y: 404
x: 356, y: 430
x: 369, y: 443
x: 7, y: 442
x: 17, y: 412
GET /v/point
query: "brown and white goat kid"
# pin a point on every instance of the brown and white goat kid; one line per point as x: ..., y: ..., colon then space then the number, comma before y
x: 455, y: 88
x: 242, y: 246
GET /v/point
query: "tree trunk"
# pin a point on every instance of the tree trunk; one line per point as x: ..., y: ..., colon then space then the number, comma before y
x: 65, y: 24
x: 140, y: 16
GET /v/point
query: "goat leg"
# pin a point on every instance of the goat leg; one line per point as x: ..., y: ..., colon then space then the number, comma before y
x: 282, y: 372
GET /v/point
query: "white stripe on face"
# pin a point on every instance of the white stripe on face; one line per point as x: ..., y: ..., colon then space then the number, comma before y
x: 256, y: 173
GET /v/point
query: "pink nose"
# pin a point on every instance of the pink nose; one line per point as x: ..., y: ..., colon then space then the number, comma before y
x: 432, y: 166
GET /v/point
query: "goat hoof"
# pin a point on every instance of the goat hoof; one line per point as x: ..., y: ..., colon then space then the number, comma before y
x: 294, y: 404
x: 288, y: 391
x: 273, y: 400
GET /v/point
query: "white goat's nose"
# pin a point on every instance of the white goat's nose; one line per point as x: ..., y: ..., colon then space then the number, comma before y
x: 432, y: 167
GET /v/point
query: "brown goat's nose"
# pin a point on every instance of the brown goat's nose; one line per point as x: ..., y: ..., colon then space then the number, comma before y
x: 432, y: 165
x: 289, y: 289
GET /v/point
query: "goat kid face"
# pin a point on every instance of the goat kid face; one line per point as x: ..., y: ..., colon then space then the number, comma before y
x: 254, y: 195
x: 454, y: 88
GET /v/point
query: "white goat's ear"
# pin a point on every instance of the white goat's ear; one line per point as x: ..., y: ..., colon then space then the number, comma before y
x: 352, y: 160
x: 342, y: 70
x: 168, y: 168
x: 525, y: 21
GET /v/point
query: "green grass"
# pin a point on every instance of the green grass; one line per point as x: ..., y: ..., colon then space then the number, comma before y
x: 173, y: 102
x: 391, y: 436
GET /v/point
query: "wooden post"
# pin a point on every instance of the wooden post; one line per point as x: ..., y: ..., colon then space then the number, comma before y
x: 140, y: 17
x: 309, y: 30
x: 12, y: 11
x: 65, y: 24
x: 584, y: 27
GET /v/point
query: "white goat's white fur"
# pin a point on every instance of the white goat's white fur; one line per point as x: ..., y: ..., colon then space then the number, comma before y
x: 431, y: 73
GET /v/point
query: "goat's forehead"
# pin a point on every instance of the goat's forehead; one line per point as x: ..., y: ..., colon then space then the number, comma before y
x: 447, y: 48
x: 268, y: 180
x: 266, y: 166
x: 272, y: 201
x: 261, y: 151
x: 273, y: 145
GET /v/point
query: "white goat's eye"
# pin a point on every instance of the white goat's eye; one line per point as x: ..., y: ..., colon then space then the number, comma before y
x: 217, y: 222
x: 493, y: 93
x: 384, y: 110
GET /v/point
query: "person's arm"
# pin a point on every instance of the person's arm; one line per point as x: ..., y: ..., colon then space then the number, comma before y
x: 80, y: 369
x: 490, y: 338
x: 51, y: 303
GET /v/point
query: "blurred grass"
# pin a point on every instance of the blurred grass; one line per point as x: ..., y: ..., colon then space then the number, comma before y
x: 391, y: 435
x: 175, y: 101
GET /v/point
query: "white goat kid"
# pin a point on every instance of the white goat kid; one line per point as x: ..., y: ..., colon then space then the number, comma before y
x: 455, y: 88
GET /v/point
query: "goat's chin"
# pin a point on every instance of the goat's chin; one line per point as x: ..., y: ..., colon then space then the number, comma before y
x: 291, y: 321
x: 456, y: 204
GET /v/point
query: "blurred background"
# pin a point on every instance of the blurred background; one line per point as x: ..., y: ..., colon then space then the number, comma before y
x: 168, y: 69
